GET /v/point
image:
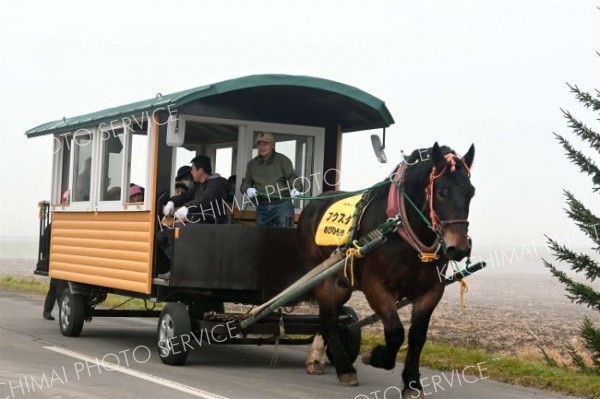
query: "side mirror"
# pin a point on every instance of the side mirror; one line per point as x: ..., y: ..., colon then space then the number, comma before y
x: 378, y: 148
x: 175, y: 132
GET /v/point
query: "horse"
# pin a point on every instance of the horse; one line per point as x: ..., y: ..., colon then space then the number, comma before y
x: 410, y: 264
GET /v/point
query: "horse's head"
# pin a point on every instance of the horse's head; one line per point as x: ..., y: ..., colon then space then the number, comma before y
x: 449, y: 194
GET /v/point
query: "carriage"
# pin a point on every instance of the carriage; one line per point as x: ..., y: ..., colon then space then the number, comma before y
x: 99, y: 241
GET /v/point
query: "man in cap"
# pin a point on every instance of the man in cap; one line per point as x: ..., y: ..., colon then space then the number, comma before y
x: 205, y: 195
x: 270, y: 177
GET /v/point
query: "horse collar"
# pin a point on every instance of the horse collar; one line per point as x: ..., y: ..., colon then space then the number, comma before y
x: 397, y: 207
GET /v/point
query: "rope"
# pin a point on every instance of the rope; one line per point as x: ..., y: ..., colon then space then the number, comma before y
x: 464, y: 288
x: 351, y: 253
x: 276, y: 347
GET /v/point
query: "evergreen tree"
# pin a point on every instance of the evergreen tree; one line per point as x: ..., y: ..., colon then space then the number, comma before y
x: 587, y: 222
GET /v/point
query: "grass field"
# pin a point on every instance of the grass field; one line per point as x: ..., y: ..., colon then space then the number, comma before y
x: 537, y: 374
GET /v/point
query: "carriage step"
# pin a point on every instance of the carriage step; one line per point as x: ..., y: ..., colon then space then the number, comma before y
x: 160, y: 281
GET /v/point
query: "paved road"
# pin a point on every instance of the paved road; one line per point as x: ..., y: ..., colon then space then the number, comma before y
x: 32, y: 348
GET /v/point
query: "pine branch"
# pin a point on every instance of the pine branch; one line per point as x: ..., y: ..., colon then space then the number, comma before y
x: 585, y: 97
x: 585, y: 163
x: 579, y: 262
x: 584, y: 219
x: 550, y: 361
x: 580, y: 293
x: 576, y: 358
x: 591, y: 337
x: 581, y: 130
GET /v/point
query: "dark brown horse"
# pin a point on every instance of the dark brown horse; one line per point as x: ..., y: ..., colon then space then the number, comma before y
x: 408, y: 265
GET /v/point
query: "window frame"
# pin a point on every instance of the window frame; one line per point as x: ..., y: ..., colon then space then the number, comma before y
x: 94, y: 204
x: 57, y: 168
x: 245, y: 144
x: 72, y: 206
x: 105, y: 205
x: 150, y: 165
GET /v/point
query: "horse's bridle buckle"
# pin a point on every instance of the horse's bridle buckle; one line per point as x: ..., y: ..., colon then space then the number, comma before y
x: 427, y: 257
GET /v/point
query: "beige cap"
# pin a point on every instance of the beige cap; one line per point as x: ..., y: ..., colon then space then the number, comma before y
x: 265, y: 136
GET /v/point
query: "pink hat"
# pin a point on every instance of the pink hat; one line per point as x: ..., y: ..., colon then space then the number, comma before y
x: 135, y: 189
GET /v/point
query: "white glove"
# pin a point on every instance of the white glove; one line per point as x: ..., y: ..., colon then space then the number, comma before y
x: 181, y: 213
x: 294, y: 193
x: 251, y: 192
x: 169, y: 208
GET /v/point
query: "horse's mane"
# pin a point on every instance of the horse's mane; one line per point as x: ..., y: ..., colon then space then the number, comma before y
x: 418, y: 171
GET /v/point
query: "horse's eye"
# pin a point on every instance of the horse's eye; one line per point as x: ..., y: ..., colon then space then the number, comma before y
x: 443, y: 193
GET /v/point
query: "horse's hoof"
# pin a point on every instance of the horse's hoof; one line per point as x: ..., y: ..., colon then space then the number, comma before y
x: 315, y: 368
x: 366, y: 358
x: 348, y: 379
x: 412, y: 394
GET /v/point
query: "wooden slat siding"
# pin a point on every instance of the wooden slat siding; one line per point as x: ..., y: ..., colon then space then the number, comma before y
x: 104, y: 260
x: 107, y: 225
x: 107, y: 244
x: 107, y: 249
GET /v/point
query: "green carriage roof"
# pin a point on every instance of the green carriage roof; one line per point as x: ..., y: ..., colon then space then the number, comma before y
x: 283, y: 98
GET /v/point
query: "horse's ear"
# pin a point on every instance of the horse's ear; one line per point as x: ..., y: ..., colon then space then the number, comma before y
x: 468, y: 158
x: 436, y: 156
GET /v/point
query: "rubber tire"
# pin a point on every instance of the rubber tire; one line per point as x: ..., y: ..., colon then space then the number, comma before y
x: 351, y: 340
x: 174, y: 322
x: 71, y: 313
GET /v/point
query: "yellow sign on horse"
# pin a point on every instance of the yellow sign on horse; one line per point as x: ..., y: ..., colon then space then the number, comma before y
x: 335, y: 224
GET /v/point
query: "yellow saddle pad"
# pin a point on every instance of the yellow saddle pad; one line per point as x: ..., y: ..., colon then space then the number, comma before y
x: 335, y: 224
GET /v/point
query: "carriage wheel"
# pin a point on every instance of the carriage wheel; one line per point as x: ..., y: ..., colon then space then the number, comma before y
x: 71, y: 313
x: 173, y: 324
x: 351, y: 339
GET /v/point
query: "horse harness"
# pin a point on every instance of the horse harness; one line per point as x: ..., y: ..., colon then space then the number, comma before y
x: 398, y: 218
x: 397, y: 207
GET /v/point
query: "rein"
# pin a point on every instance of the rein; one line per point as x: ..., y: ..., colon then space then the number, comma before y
x: 397, y: 207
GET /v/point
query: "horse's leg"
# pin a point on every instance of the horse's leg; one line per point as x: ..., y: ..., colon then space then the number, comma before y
x: 417, y: 335
x: 384, y: 304
x: 315, y: 364
x: 331, y: 297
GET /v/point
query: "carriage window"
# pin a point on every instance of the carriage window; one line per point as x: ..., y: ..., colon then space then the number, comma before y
x: 183, y: 156
x: 223, y: 161
x: 82, y: 146
x: 138, y: 169
x: 112, y: 165
x: 65, y: 147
